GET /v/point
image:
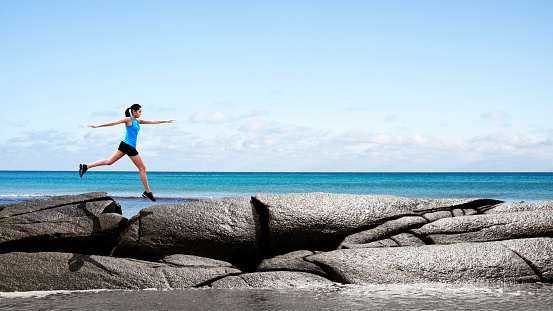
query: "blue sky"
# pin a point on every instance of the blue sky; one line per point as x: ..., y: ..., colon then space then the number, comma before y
x: 280, y: 85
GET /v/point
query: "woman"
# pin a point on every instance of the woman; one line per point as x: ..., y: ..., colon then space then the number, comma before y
x: 128, y: 146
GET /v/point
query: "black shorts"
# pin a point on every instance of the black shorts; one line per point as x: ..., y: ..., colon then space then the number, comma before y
x: 127, y: 149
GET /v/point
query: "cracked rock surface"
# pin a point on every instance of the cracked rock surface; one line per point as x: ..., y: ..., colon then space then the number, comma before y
x: 87, y: 223
x: 272, y: 241
x: 488, y: 227
x: 430, y: 263
x: 225, y: 229
x: 66, y: 271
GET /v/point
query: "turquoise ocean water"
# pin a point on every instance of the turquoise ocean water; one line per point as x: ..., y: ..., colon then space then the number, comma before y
x: 180, y: 187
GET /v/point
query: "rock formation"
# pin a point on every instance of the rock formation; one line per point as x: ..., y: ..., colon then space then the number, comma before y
x: 272, y: 241
x: 87, y: 223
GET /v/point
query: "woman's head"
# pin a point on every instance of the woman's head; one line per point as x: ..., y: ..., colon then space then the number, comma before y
x: 130, y: 111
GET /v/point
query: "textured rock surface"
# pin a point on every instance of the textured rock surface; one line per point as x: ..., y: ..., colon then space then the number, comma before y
x: 87, y: 223
x: 488, y: 227
x: 294, y: 261
x: 538, y: 253
x: 194, y: 261
x: 510, y: 207
x: 280, y: 241
x: 272, y: 280
x: 225, y: 229
x: 320, y: 221
x: 385, y: 230
x: 431, y: 263
x: 64, y: 271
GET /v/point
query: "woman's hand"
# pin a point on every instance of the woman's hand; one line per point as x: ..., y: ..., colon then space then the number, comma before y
x: 92, y: 126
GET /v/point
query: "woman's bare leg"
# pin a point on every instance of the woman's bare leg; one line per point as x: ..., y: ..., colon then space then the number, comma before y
x: 114, y: 158
x: 137, y: 160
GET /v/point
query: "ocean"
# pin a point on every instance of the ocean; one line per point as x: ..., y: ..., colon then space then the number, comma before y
x: 182, y: 187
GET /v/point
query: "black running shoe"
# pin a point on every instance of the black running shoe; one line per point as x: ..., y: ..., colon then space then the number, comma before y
x: 82, y: 169
x: 149, y: 196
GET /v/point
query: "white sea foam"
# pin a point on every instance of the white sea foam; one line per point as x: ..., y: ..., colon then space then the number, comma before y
x: 28, y: 195
x: 42, y: 294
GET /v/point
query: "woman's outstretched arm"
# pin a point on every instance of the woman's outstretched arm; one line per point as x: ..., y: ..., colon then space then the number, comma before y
x: 124, y: 120
x: 155, y: 121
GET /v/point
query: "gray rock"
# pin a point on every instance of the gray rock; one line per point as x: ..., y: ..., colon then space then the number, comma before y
x: 488, y: 227
x: 537, y: 253
x: 292, y: 262
x: 87, y: 223
x: 31, y: 206
x: 320, y: 221
x: 225, y: 229
x: 510, y: 207
x: 64, y: 271
x: 272, y: 280
x: 384, y: 230
x: 437, y: 215
x: 374, y: 244
x: 194, y: 261
x: 398, y: 240
x: 407, y: 239
x: 230, y: 282
x: 478, y: 205
x: 467, y: 262
x: 457, y: 212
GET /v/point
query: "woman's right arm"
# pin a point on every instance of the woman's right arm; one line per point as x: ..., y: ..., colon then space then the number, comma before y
x: 124, y: 120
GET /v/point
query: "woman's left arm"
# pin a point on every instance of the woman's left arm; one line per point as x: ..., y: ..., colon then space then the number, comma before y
x: 154, y: 121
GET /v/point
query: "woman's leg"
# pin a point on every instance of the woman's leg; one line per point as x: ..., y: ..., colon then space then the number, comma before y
x: 137, y: 160
x: 114, y: 158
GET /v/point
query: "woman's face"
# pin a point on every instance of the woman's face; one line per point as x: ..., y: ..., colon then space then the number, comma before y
x: 137, y: 113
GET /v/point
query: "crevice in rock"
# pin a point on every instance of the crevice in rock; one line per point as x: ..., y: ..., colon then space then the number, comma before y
x: 391, y: 232
x: 421, y: 237
x: 381, y: 222
x: 262, y: 213
x: 113, y: 207
x: 116, y: 251
x: 217, y: 278
x: 139, y: 219
x: 53, y: 206
x: 469, y: 230
x: 480, y: 205
x: 161, y: 272
x: 395, y: 241
x: 330, y: 273
x: 530, y: 264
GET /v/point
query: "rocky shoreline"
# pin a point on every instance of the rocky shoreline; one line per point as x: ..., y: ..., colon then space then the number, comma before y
x: 78, y: 242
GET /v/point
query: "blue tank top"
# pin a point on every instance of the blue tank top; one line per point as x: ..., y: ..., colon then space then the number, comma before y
x: 132, y: 133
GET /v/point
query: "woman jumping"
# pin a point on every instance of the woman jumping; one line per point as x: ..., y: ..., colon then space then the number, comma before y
x: 128, y: 146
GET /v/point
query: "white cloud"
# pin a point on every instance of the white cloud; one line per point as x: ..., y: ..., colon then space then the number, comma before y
x: 503, y: 139
x: 262, y: 145
x: 495, y: 115
x: 260, y: 126
x: 51, y: 136
x: 255, y: 113
x: 100, y: 135
x: 362, y: 137
x: 107, y: 114
x: 254, y: 126
x: 212, y: 118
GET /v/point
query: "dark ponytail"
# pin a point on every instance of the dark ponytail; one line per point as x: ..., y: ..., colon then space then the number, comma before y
x: 128, y: 111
